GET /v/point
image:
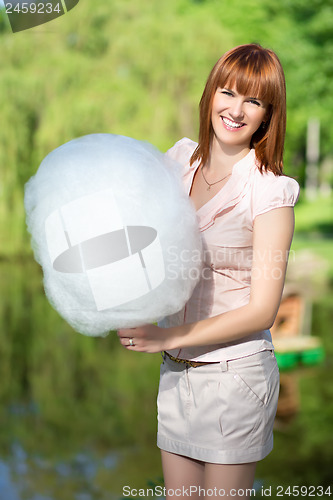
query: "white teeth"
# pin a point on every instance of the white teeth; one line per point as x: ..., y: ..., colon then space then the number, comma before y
x: 231, y: 123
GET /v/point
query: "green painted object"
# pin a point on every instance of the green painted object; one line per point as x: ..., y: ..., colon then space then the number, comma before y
x: 294, y: 351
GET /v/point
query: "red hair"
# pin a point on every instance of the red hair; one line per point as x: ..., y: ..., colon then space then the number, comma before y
x: 257, y: 72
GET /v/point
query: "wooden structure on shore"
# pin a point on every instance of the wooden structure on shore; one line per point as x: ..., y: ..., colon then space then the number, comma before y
x: 294, y: 347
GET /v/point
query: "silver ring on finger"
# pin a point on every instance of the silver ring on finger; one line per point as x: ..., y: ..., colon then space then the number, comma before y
x: 131, y: 342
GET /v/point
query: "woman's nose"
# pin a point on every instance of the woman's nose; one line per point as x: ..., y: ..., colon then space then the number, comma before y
x: 236, y: 109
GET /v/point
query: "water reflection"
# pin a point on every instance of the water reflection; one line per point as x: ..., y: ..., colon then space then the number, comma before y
x: 19, y: 471
x: 78, y: 414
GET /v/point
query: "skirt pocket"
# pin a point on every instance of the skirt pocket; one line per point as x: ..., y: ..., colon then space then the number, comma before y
x: 251, y: 379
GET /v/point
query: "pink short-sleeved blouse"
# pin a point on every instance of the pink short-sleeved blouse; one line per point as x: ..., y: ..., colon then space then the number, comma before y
x: 226, y: 225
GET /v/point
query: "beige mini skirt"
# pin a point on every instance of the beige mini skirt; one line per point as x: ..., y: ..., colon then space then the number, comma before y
x: 220, y: 412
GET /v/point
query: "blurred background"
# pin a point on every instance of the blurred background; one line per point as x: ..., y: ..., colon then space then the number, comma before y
x: 77, y: 415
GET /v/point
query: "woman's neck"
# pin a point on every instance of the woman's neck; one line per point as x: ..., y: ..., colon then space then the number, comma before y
x: 222, y: 159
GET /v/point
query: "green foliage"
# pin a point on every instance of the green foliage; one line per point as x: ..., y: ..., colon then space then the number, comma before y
x: 315, y: 216
x: 138, y: 69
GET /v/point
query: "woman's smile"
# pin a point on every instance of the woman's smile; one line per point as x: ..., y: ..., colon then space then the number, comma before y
x: 231, y: 124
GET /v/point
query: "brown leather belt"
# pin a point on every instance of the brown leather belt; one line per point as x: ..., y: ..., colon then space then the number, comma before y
x: 194, y: 364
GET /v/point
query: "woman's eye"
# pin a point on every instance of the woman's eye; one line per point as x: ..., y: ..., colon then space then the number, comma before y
x: 254, y: 101
x: 226, y: 92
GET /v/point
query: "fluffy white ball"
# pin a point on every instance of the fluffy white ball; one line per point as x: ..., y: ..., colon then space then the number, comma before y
x: 114, y: 231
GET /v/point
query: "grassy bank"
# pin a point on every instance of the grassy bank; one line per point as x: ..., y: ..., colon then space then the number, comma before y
x: 314, y: 234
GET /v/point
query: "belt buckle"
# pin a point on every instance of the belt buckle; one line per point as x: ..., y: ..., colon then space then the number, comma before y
x: 193, y: 364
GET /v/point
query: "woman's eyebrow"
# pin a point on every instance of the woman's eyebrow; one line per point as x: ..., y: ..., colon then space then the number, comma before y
x: 255, y: 98
x: 247, y: 96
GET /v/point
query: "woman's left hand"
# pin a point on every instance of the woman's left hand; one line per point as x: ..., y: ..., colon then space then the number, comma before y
x: 146, y: 338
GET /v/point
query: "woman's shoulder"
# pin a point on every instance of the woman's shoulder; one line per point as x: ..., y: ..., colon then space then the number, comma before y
x: 182, y: 150
x: 268, y: 178
x: 273, y: 191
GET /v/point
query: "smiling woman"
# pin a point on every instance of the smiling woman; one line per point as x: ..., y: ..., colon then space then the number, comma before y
x: 257, y: 76
x: 241, y: 115
x: 219, y: 379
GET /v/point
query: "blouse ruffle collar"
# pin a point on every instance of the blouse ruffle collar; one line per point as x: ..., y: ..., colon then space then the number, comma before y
x: 230, y: 194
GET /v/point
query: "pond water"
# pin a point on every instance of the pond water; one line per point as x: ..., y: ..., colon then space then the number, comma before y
x: 78, y: 415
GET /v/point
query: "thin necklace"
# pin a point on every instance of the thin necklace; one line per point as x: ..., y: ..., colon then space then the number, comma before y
x: 212, y: 183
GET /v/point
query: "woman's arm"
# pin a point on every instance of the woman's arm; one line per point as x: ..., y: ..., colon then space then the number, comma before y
x: 272, y: 235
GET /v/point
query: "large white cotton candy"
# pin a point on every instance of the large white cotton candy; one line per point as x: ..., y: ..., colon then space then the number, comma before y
x: 114, y: 231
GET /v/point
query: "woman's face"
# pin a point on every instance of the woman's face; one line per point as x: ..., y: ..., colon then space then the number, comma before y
x: 235, y: 117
